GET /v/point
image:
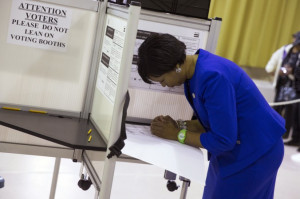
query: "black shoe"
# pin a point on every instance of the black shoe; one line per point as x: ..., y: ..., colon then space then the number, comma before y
x: 298, y: 149
x: 292, y: 143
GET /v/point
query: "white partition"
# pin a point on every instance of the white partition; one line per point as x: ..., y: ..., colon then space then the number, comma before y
x: 149, y: 101
x: 115, y: 59
x: 50, y: 79
x: 111, y: 54
x: 37, y: 75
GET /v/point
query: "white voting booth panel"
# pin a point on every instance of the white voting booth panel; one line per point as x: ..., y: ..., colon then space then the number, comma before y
x: 43, y: 63
x: 46, y: 54
x: 112, y: 81
x: 109, y: 73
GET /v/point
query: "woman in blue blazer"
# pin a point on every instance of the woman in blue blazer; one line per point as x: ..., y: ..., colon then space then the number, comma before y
x: 240, y: 131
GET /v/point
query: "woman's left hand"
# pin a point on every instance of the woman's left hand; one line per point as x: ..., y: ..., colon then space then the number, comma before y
x: 164, y: 127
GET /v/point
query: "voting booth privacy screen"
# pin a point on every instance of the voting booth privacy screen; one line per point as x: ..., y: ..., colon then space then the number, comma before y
x: 108, y: 73
x: 43, y: 63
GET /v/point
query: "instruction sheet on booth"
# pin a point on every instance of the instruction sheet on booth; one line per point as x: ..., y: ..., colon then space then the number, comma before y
x: 111, y: 55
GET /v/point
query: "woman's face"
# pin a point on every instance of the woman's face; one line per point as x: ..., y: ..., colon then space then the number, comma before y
x: 170, y: 79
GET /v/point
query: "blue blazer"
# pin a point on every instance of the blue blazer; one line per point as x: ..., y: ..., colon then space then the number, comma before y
x: 240, y: 125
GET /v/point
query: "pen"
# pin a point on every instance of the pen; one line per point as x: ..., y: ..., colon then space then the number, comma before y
x: 11, y: 108
x: 37, y: 111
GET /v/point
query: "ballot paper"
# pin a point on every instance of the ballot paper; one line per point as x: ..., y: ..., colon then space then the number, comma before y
x: 184, y: 160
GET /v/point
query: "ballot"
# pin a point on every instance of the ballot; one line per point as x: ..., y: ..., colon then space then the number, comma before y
x: 184, y: 160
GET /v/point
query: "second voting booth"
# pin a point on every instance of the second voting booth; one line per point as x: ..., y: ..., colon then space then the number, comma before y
x: 66, y: 67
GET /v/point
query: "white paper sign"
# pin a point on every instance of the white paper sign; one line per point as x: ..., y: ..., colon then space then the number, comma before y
x: 39, y: 25
x: 111, y: 55
x: 173, y: 156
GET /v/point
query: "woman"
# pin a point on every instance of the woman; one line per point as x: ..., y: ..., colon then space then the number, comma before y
x: 285, y: 80
x: 292, y: 65
x: 241, y: 132
x: 274, y: 66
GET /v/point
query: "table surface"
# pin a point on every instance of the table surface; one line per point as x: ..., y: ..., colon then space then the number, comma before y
x: 68, y: 131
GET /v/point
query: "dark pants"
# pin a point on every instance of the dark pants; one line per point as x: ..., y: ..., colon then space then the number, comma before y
x: 287, y: 112
x: 296, y: 121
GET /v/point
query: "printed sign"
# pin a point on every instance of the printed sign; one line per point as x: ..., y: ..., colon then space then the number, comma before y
x: 112, y: 51
x: 39, y: 25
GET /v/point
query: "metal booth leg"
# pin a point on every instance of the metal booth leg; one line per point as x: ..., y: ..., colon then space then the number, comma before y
x: 55, y: 177
x: 185, y: 184
x: 172, y: 186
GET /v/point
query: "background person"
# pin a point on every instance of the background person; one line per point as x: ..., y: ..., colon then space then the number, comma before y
x: 241, y: 132
x: 277, y: 57
x: 281, y: 77
x: 292, y: 63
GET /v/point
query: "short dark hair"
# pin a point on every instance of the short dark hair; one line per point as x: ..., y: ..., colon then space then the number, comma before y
x: 297, y: 40
x: 159, y: 54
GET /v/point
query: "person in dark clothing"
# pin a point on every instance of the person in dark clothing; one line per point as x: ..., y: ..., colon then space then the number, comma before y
x: 278, y: 60
x: 292, y: 65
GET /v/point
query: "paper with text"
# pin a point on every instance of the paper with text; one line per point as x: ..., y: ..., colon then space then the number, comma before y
x: 39, y: 25
x: 184, y: 160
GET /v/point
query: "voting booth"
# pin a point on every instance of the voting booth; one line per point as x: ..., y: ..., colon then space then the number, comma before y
x: 148, y: 101
x: 45, y: 70
x: 67, y: 68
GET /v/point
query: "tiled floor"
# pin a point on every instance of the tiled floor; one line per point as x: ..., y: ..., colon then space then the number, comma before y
x: 29, y: 177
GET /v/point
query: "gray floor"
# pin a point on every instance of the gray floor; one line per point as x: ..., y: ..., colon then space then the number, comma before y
x: 29, y: 177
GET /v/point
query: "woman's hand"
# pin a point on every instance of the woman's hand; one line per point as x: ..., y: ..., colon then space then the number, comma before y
x: 164, y: 127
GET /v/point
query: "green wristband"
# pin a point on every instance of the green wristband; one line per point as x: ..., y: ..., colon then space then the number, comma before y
x: 181, y: 135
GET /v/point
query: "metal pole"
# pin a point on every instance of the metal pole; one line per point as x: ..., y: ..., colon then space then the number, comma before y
x: 185, y: 185
x: 96, y: 194
x: 54, y: 177
x: 213, y: 35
